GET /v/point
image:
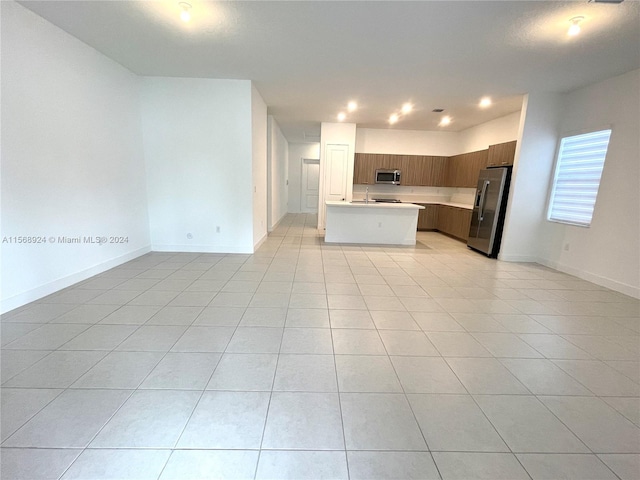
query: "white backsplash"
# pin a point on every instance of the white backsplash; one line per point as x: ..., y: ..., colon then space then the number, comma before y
x: 416, y: 194
x: 463, y: 195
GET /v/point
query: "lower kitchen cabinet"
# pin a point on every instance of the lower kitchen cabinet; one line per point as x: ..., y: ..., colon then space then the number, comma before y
x: 428, y: 218
x: 454, y: 221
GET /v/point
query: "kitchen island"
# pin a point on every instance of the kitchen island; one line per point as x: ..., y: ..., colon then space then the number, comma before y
x: 372, y: 223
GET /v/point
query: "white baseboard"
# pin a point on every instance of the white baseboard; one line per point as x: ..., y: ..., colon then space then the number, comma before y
x: 517, y: 258
x: 621, y: 287
x: 260, y: 242
x: 202, y: 248
x: 33, y: 294
x: 275, y: 225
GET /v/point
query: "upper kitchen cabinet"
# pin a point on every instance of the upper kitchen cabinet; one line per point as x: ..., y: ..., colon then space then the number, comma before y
x: 422, y: 170
x: 417, y: 170
x: 462, y: 170
x: 412, y: 167
x: 502, y: 154
x: 366, y: 164
x: 364, y: 168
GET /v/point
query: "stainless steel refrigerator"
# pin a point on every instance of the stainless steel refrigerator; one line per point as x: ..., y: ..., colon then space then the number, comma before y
x: 489, y: 210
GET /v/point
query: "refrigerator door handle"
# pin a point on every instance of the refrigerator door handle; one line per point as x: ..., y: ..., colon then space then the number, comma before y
x: 482, y: 200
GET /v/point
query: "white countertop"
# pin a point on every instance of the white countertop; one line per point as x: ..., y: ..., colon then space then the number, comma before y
x: 360, y: 203
x: 372, y: 204
x: 449, y: 204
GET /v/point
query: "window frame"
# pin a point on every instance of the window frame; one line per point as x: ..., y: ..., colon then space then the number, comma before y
x: 556, y: 171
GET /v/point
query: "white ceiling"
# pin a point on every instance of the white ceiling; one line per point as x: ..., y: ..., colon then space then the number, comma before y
x: 309, y: 58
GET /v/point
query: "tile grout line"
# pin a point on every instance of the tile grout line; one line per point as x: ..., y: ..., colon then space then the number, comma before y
x: 132, y: 392
x: 195, y: 406
x: 275, y: 373
x: 335, y: 369
x: 364, y: 251
x: 406, y: 399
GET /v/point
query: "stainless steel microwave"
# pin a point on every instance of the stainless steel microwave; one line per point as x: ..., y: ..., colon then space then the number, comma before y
x: 390, y: 177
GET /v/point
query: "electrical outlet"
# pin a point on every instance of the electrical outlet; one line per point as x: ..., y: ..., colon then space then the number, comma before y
x: 567, y: 246
x: 218, y: 229
x: 379, y: 224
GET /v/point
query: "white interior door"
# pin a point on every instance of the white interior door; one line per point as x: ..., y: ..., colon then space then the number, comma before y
x: 336, y: 172
x: 335, y: 177
x: 310, y: 188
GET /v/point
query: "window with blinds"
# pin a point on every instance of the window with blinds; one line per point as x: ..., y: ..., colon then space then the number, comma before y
x: 577, y: 177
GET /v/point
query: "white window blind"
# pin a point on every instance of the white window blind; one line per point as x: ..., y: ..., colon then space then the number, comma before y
x: 577, y: 178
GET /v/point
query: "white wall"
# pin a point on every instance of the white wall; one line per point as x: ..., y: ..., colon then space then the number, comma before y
x: 532, y: 169
x: 407, y: 142
x: 338, y: 134
x: 278, y: 173
x: 198, y: 136
x: 72, y: 159
x: 298, y: 151
x: 417, y: 142
x: 259, y: 166
x: 500, y: 130
x: 607, y: 252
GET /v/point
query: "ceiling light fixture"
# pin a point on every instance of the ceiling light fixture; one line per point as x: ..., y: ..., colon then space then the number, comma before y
x: 574, y: 28
x: 342, y: 116
x: 485, y: 102
x: 352, y: 106
x: 444, y: 121
x: 393, y: 118
x: 185, y: 13
x: 406, y: 108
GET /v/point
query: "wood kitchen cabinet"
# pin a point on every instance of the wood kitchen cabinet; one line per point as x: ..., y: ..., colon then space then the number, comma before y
x: 502, y: 154
x: 434, y: 172
x: 417, y: 170
x: 428, y: 218
x: 423, y: 170
x: 462, y: 170
x: 366, y: 164
x: 412, y: 167
x: 454, y: 221
x: 364, y: 168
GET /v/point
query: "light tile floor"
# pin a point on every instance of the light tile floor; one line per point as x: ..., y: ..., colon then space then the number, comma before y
x: 314, y: 361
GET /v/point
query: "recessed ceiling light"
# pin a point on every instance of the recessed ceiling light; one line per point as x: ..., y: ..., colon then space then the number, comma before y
x: 444, y: 121
x: 485, y: 102
x: 406, y: 108
x: 574, y: 28
x: 185, y: 13
x: 393, y: 118
x: 342, y: 116
x: 352, y: 106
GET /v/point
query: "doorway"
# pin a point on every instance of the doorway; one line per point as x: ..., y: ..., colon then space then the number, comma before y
x: 309, y: 185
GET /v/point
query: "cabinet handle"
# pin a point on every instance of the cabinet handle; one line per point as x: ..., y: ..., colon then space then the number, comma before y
x: 504, y: 163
